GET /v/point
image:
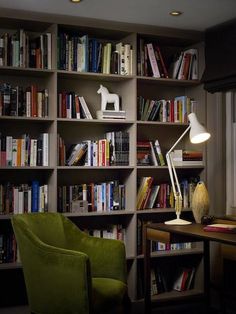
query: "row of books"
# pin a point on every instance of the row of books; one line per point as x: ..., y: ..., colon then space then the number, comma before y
x: 173, y: 110
x: 23, y: 198
x: 109, y: 151
x: 8, y: 248
x: 149, y: 153
x: 152, y: 195
x: 23, y: 102
x: 24, y: 151
x: 71, y: 105
x: 187, y: 157
x: 150, y: 60
x: 161, y: 283
x: 26, y: 49
x: 84, y: 54
x: 96, y: 197
x: 116, y: 232
x: 184, y: 279
x: 160, y: 246
x: 157, y: 246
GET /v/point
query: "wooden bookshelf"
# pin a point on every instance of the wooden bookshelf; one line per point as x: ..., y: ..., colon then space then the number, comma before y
x: 128, y: 87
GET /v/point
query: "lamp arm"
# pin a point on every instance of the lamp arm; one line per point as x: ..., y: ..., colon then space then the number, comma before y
x: 171, y: 167
x: 178, y: 140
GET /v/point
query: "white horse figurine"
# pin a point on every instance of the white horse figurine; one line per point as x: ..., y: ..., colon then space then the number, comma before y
x: 108, y: 98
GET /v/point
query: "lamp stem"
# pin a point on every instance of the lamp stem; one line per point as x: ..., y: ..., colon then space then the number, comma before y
x: 175, y: 184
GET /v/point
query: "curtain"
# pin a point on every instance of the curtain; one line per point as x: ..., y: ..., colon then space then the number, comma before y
x: 220, y: 58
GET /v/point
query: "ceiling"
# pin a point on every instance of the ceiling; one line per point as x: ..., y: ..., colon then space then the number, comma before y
x: 198, y: 14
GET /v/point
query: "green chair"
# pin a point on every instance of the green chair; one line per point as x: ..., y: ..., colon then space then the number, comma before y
x: 67, y: 271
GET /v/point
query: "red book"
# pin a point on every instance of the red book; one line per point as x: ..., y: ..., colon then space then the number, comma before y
x: 225, y: 228
x: 34, y: 107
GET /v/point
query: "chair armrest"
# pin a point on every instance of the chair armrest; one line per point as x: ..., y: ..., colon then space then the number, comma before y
x: 57, y: 280
x: 107, y: 257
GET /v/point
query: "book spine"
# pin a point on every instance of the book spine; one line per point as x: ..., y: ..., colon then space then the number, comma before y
x: 35, y: 196
x: 153, y: 61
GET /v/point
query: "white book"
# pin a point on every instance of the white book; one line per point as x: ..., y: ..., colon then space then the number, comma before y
x: 33, y: 152
x: 74, y: 154
x: 28, y: 104
x: 80, y: 52
x: 14, y: 152
x: 127, y: 59
x: 41, y: 199
x: 85, y: 108
x: 97, y: 233
x: 29, y: 200
x: 159, y: 153
x: 22, y: 161
x: 120, y: 48
x: 99, y: 198
x: 88, y: 161
x: 131, y: 62
x: 42, y: 51
x: 153, y: 61
x: 176, y: 66
x: 108, y: 59
x: 2, y: 51
x: 9, y: 150
x: 154, y: 159
x: 20, y: 202
x: 21, y: 48
x: 193, y: 74
x: 45, y: 197
x: 95, y: 154
x: 16, y: 200
x: 45, y: 149
x: 39, y: 104
x: 49, y: 52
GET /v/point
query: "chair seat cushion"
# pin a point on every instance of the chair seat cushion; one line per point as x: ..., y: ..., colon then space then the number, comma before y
x: 107, y: 294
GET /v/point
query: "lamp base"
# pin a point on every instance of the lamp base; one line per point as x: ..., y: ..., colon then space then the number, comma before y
x: 178, y: 222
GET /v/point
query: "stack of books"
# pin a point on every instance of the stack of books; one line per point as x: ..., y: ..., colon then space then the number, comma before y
x: 187, y: 157
x: 185, y: 65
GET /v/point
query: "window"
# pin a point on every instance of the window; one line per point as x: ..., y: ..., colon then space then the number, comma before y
x: 231, y: 152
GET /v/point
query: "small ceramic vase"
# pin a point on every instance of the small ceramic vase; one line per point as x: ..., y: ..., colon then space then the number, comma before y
x: 200, y: 202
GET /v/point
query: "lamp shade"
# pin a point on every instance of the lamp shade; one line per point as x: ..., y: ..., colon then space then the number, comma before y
x: 198, y: 133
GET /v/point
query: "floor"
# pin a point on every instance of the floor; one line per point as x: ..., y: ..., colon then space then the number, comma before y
x: 136, y: 309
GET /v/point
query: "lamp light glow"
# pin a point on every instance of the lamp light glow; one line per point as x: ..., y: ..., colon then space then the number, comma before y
x: 198, y: 134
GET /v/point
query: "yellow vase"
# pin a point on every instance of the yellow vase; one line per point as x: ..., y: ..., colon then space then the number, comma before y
x: 200, y: 202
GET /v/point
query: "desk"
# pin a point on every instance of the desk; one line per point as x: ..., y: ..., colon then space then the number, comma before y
x: 177, y: 234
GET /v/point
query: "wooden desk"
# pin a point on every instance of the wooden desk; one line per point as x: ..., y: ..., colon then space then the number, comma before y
x: 177, y: 234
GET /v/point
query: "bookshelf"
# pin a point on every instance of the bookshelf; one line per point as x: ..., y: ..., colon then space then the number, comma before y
x: 86, y: 84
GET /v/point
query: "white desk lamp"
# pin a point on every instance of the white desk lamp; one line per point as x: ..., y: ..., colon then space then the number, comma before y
x: 198, y: 134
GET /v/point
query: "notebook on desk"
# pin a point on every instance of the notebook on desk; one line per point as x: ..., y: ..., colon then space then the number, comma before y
x: 219, y: 227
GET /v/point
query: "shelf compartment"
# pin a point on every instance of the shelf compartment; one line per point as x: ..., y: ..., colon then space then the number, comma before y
x: 27, y: 119
x: 176, y: 295
x: 167, y: 81
x: 20, y: 71
x: 10, y: 265
x: 93, y: 76
x: 179, y: 252
x: 95, y: 121
x: 160, y: 211
x: 95, y: 214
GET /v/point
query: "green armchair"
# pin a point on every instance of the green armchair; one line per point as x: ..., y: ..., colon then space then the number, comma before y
x: 67, y: 271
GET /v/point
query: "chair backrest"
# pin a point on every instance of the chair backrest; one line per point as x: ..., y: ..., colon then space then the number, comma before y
x: 53, y: 285
x: 47, y: 227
